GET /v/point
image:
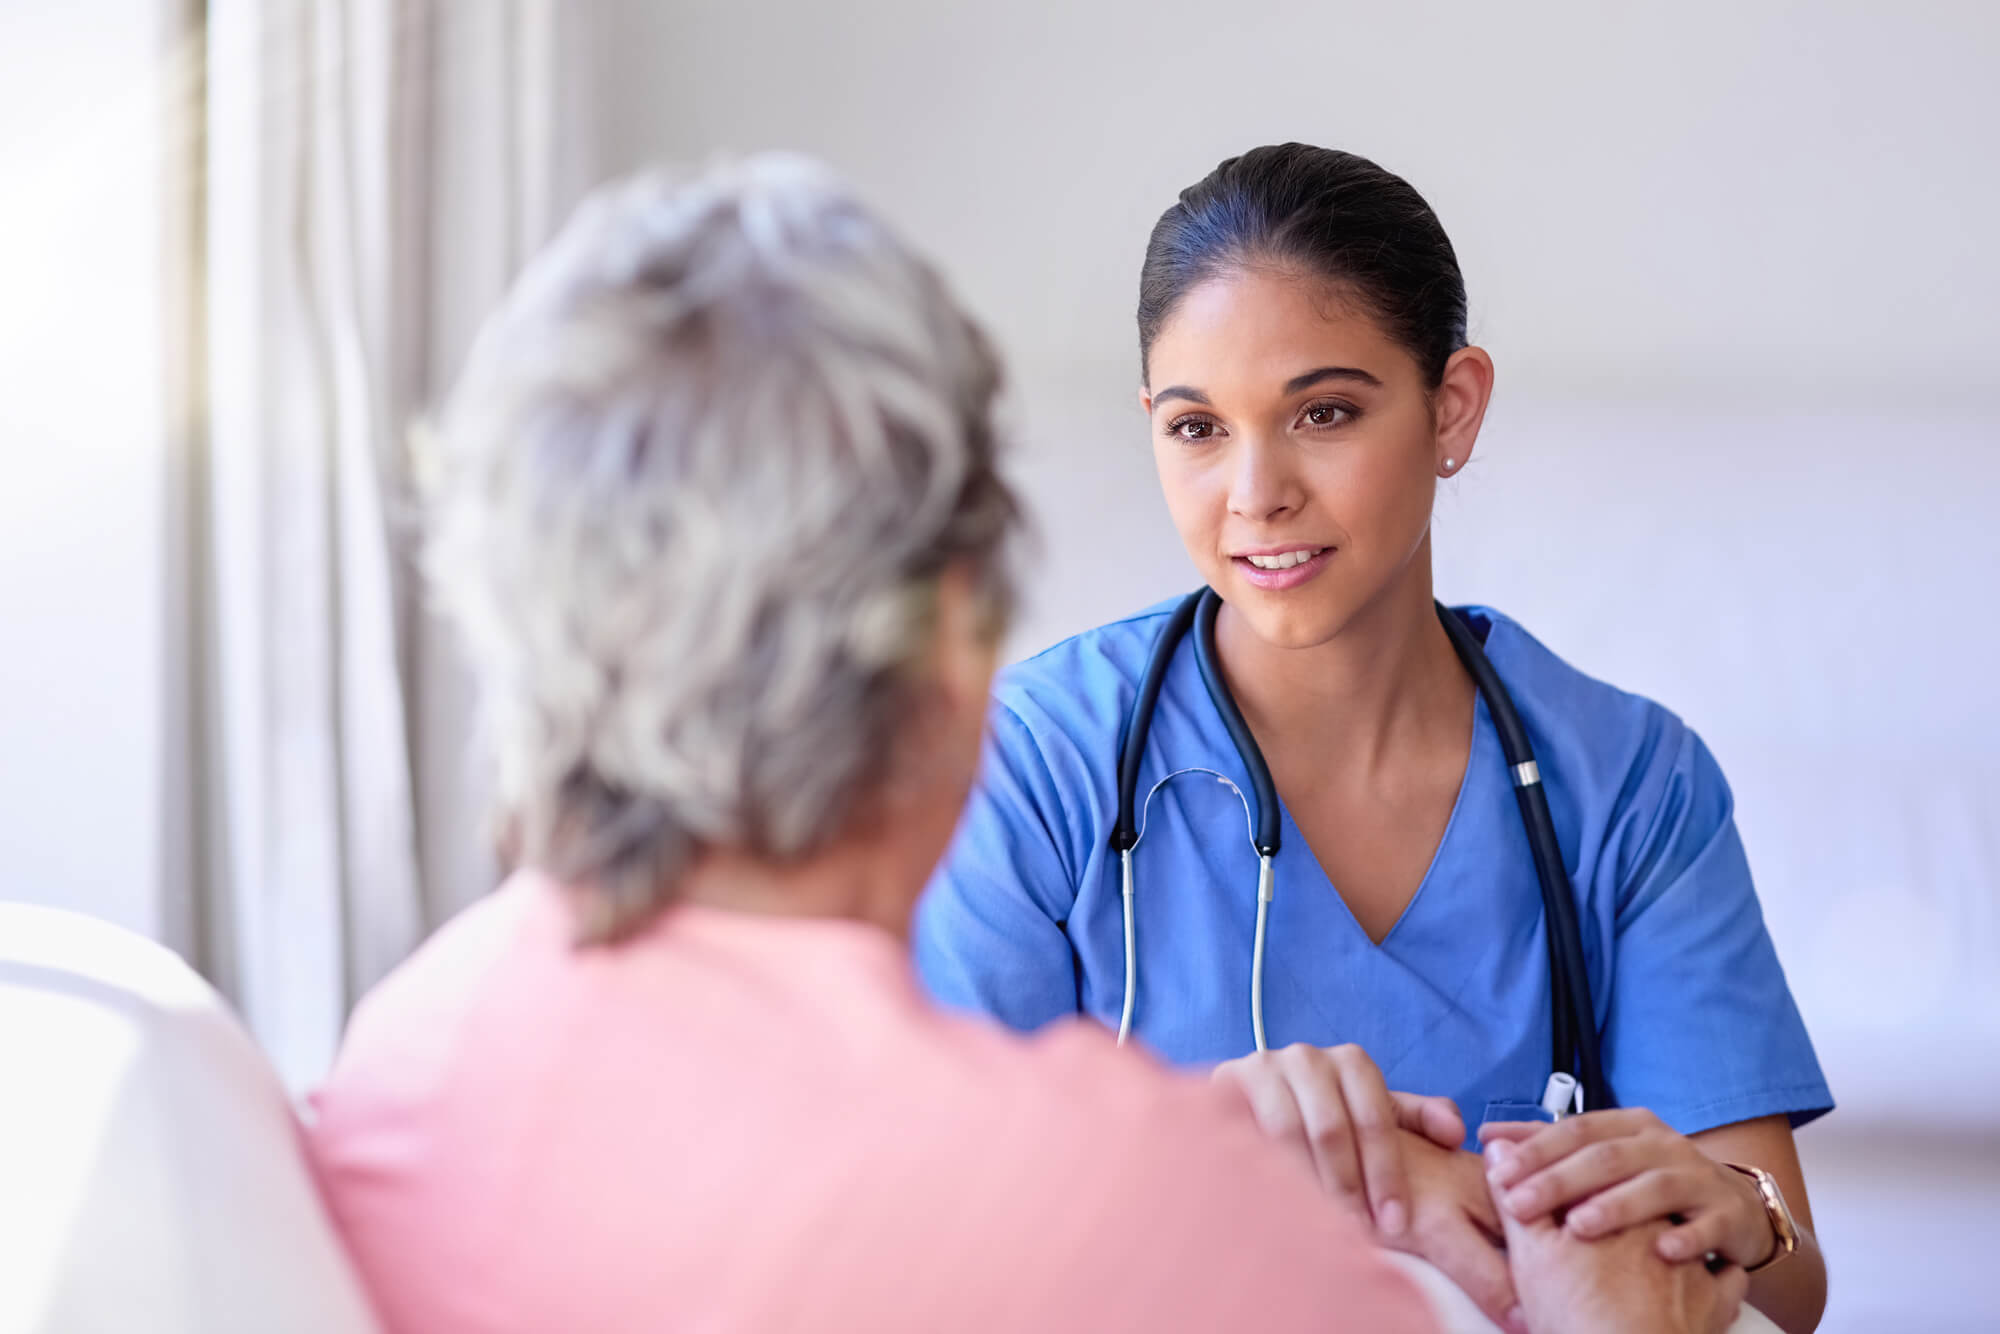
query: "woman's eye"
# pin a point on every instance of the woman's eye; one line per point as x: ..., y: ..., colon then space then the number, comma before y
x: 1327, y: 414
x: 1192, y: 428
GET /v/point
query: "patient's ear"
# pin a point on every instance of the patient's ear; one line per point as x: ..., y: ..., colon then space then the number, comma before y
x: 965, y: 649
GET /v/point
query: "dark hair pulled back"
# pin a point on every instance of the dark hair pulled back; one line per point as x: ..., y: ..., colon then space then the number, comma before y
x: 1333, y: 214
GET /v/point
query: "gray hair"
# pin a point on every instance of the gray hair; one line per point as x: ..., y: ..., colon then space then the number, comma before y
x: 691, y: 500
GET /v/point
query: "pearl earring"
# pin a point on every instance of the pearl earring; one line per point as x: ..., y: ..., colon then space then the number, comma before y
x: 1449, y: 464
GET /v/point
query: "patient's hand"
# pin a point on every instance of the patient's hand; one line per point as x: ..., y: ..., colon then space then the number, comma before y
x: 1454, y: 1225
x: 1616, y: 1284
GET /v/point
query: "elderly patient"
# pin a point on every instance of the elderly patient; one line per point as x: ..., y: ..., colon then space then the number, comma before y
x: 716, y: 510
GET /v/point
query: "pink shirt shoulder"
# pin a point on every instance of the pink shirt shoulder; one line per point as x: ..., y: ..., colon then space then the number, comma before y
x: 751, y: 1123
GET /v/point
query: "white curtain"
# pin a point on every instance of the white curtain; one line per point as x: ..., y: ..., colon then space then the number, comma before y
x: 367, y: 175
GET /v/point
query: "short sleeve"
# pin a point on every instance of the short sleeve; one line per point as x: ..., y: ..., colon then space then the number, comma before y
x: 989, y: 934
x: 1701, y: 1027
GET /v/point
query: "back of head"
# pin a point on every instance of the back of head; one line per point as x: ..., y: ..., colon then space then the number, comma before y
x: 696, y: 489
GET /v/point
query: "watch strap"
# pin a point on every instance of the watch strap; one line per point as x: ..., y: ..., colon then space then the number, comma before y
x: 1783, y: 1227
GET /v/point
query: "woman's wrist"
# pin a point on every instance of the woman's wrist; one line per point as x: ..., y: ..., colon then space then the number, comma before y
x: 1786, y: 1237
x: 1760, y: 1242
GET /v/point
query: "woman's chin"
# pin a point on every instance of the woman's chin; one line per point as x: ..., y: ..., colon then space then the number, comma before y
x: 1289, y: 620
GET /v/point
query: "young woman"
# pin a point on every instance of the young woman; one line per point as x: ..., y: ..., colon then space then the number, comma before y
x: 1307, y: 381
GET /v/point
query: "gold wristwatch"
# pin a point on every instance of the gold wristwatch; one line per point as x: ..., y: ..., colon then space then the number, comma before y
x: 1775, y: 1208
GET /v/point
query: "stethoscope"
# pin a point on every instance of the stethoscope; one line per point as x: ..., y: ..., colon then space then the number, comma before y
x: 1577, y: 1077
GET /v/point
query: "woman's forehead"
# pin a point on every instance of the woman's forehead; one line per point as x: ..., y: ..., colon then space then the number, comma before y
x: 1255, y: 329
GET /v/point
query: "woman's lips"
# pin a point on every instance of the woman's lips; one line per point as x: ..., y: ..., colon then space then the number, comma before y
x: 1279, y: 580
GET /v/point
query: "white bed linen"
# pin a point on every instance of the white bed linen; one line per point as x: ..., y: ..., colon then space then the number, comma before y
x: 1456, y: 1313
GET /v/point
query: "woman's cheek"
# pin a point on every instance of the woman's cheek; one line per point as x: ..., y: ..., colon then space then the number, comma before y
x: 1196, y: 510
x: 1392, y: 500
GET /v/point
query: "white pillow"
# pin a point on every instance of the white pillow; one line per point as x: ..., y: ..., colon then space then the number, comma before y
x: 150, y: 1170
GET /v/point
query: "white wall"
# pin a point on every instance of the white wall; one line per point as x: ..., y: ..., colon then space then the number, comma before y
x: 1734, y: 263
x: 1696, y: 208
x: 81, y: 498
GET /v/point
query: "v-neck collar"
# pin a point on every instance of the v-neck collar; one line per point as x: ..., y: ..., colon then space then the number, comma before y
x: 1295, y: 839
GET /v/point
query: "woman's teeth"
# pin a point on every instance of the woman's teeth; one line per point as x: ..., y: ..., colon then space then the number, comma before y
x: 1284, y: 562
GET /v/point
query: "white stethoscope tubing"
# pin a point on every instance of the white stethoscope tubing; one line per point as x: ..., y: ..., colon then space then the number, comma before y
x: 1257, y: 951
x: 1264, y: 889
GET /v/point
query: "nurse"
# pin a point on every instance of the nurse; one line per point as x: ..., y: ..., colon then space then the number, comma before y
x: 1307, y: 382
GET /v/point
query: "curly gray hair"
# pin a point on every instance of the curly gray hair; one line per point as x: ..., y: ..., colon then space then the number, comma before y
x: 692, y: 497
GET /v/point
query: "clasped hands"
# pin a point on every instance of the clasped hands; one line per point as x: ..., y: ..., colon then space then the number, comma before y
x: 1605, y: 1217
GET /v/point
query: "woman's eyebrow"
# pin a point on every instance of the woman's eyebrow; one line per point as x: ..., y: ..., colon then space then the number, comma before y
x: 1188, y: 392
x: 1311, y: 378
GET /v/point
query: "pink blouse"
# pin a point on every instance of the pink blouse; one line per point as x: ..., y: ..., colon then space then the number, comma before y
x: 734, y: 1122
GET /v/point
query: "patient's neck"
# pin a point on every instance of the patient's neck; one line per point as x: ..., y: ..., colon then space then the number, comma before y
x: 861, y: 879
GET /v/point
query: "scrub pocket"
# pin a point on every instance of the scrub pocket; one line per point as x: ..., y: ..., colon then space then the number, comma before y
x: 1514, y: 1111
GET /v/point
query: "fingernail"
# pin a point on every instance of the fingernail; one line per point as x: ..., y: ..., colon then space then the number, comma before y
x: 1517, y: 1321
x: 1673, y: 1248
x: 1390, y: 1218
x: 1584, y: 1220
x: 1521, y: 1203
x: 1498, y: 1154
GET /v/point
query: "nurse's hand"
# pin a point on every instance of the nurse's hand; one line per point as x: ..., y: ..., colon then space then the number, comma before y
x: 1331, y: 1105
x: 1624, y: 1168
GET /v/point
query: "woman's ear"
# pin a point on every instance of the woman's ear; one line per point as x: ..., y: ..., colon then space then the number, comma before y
x: 966, y: 648
x: 1459, y: 406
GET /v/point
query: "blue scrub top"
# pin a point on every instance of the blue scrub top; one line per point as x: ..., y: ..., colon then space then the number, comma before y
x: 1023, y: 921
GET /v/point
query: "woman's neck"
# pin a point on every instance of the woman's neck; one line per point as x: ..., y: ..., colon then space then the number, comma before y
x: 1388, y: 682
x: 863, y: 880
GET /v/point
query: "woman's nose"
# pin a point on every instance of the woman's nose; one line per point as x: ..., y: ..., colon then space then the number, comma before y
x: 1263, y: 486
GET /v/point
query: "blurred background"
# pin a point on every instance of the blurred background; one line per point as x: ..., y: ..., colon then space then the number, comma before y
x: 1735, y: 262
